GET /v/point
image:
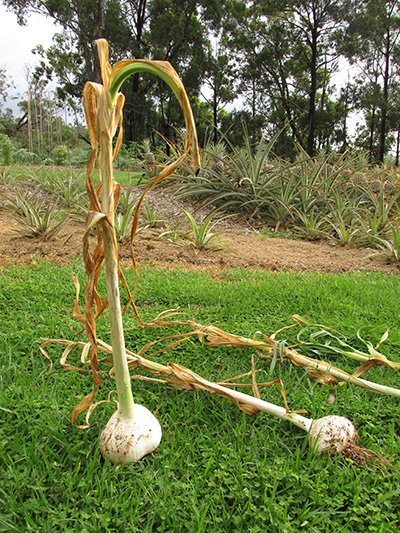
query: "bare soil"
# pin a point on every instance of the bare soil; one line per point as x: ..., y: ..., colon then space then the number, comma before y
x: 241, y: 246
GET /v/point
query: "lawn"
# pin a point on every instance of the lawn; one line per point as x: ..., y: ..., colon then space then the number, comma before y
x: 43, y: 173
x: 217, y: 469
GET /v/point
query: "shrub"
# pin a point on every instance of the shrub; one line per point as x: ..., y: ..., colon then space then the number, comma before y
x: 23, y: 156
x: 6, y: 150
x: 78, y: 156
x: 59, y: 155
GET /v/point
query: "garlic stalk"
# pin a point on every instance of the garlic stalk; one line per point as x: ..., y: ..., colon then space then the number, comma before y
x: 132, y: 431
x: 215, y: 336
x: 331, y: 434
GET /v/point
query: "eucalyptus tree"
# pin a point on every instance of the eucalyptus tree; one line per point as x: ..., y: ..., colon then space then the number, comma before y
x: 4, y: 85
x: 371, y: 41
x: 84, y: 20
x: 177, y: 34
x: 219, y: 82
x: 7, y: 123
x: 173, y: 30
x: 291, y: 45
x: 367, y: 95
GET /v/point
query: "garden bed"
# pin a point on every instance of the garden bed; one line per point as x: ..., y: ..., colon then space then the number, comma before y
x: 241, y: 246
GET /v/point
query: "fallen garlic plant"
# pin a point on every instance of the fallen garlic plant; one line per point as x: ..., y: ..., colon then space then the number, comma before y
x: 267, y: 347
x: 330, y: 434
x: 133, y: 431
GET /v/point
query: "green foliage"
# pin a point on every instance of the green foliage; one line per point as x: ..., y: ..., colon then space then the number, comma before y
x: 65, y: 186
x: 311, y: 225
x: 23, y: 156
x: 123, y: 224
x: 44, y: 177
x: 130, y: 156
x: 201, y: 235
x: 78, y: 156
x: 150, y: 216
x: 5, y: 85
x: 371, y: 37
x: 36, y: 217
x: 343, y: 233
x: 124, y: 200
x: 6, y: 150
x: 389, y: 246
x: 217, y: 469
x: 69, y: 191
x: 59, y: 155
x: 243, y: 185
x: 341, y: 198
x: 173, y: 30
x: 285, y: 66
x: 275, y: 61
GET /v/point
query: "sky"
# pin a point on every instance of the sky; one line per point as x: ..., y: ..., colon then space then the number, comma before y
x: 16, y: 44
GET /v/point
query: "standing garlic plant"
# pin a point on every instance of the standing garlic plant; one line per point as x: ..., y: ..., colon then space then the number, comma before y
x: 132, y: 432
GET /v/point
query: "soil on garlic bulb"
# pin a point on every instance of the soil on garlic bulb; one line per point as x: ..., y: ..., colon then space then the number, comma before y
x: 127, y: 440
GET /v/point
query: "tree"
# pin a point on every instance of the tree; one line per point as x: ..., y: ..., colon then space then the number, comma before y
x: 5, y: 85
x: 172, y: 30
x: 219, y: 80
x: 290, y: 45
x: 371, y: 41
x: 84, y: 20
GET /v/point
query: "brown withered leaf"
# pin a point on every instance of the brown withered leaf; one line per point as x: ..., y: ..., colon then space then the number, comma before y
x: 361, y: 370
x: 322, y: 377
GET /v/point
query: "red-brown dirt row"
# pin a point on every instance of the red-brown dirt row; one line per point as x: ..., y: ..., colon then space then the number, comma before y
x: 240, y: 248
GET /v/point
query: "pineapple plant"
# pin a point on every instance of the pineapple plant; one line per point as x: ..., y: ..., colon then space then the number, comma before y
x: 214, y: 158
x: 376, y: 186
x: 149, y: 157
x: 358, y: 179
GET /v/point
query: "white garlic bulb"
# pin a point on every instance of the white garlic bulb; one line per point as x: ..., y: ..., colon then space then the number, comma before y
x: 332, y: 434
x: 127, y: 440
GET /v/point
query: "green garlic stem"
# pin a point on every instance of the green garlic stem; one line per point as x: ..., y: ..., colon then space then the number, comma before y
x: 266, y: 407
x: 122, y: 377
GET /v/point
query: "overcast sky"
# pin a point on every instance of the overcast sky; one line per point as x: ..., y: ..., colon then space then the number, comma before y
x: 16, y: 43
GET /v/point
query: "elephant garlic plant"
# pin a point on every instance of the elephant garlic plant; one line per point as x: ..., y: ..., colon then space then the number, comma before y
x: 333, y: 435
x: 132, y: 431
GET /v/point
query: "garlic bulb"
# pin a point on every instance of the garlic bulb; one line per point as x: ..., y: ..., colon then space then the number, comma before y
x: 333, y: 434
x: 127, y: 440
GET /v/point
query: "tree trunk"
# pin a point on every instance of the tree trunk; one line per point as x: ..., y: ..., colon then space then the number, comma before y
x: 285, y: 98
x: 101, y: 19
x: 385, y: 98
x: 323, y: 136
x: 345, y: 117
x: 371, y: 154
x: 253, y: 108
x: 215, y: 116
x: 131, y: 133
x: 312, y: 96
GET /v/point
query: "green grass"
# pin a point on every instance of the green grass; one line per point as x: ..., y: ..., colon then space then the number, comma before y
x: 24, y: 173
x: 217, y: 469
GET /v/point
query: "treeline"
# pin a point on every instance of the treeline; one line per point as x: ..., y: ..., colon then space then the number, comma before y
x: 270, y: 63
